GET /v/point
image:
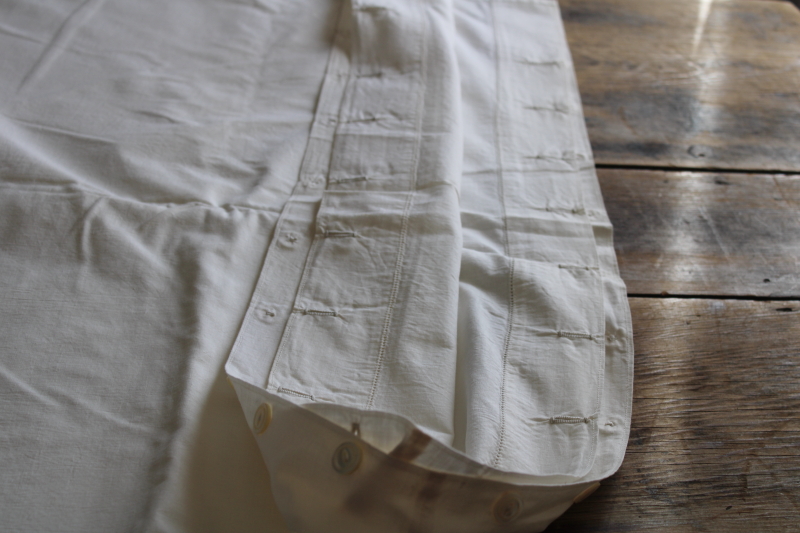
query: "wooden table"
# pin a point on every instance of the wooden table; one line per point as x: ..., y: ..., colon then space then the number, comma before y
x: 693, y: 110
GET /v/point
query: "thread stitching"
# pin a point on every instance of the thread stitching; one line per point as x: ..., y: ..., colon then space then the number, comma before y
x: 506, y: 346
x: 315, y: 312
x: 570, y: 420
x: 403, y: 233
x: 558, y: 108
x: 349, y: 179
x: 574, y: 335
x: 578, y: 267
x: 339, y: 234
x: 506, y: 244
x: 576, y: 157
x: 284, y: 390
x: 554, y: 63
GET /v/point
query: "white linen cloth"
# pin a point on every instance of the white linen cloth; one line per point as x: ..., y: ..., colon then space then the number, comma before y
x: 382, y: 214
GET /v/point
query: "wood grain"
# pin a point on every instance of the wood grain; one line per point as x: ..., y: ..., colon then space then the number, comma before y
x: 715, y: 440
x: 689, y: 83
x: 693, y: 233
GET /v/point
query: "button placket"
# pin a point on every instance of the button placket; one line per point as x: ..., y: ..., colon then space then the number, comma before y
x: 270, y: 314
x: 378, y: 152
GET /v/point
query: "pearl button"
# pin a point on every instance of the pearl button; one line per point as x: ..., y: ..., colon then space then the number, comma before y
x: 262, y: 418
x: 507, y: 507
x: 346, y: 458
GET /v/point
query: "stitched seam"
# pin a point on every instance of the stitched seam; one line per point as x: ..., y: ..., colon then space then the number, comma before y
x: 555, y: 108
x: 279, y: 356
x: 284, y: 390
x: 261, y: 284
x: 392, y: 301
x: 349, y: 180
x: 570, y: 419
x: 398, y: 269
x: 315, y: 312
x: 578, y: 267
x: 578, y: 157
x: 506, y: 347
x: 575, y: 335
x: 290, y: 324
x: 330, y: 74
x: 554, y: 63
x: 339, y: 234
x: 506, y: 244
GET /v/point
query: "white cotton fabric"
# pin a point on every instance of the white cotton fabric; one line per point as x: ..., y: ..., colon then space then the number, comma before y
x: 377, y: 219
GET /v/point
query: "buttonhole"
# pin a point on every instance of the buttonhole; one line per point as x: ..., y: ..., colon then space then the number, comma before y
x: 265, y: 314
x: 339, y: 234
x: 349, y: 179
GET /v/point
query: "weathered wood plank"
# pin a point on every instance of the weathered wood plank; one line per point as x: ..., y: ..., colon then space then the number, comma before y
x: 715, y: 440
x: 691, y: 233
x: 689, y: 83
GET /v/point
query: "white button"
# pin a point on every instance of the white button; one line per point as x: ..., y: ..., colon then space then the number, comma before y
x: 346, y: 458
x: 262, y: 418
x: 507, y: 507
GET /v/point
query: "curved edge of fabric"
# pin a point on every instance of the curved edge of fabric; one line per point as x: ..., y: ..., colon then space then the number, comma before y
x: 387, y: 482
x: 571, y: 433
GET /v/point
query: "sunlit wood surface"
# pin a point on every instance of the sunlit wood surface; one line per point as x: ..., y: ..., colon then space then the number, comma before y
x: 689, y: 83
x: 706, y: 233
x: 693, y: 111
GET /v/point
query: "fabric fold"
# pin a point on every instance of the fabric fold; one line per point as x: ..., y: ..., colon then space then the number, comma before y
x: 378, y: 220
x: 467, y: 146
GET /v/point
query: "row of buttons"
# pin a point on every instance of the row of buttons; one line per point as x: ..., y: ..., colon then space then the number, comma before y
x: 348, y: 455
x: 346, y: 458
